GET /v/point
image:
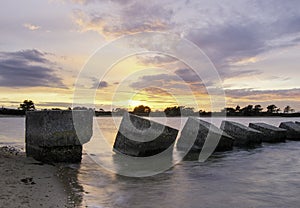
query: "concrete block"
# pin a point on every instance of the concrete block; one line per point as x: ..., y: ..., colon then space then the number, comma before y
x: 140, y: 137
x: 56, y: 128
x: 70, y: 154
x: 243, y: 136
x: 195, y: 133
x: 293, y: 130
x: 272, y: 134
x: 297, y: 122
x: 55, y: 136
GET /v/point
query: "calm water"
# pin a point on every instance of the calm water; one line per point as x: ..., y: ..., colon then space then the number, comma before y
x: 268, y: 176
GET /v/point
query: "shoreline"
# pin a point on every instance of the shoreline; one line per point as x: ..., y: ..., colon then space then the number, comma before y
x: 26, y: 182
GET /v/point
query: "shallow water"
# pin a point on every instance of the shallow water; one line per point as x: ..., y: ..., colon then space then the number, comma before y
x: 268, y: 176
x: 12, y: 131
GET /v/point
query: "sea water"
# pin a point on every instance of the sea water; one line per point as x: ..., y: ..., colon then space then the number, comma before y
x: 268, y: 176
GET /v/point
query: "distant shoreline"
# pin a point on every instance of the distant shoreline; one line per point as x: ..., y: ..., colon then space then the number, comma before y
x: 214, y: 116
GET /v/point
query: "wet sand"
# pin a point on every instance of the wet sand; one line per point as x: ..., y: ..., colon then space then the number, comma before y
x: 27, y: 183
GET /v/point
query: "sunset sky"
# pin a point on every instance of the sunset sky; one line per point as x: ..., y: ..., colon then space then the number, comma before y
x: 254, y: 46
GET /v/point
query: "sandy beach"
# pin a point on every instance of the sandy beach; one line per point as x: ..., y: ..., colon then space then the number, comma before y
x: 28, y: 183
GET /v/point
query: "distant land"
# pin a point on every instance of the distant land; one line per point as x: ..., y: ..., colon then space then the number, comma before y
x: 175, y: 111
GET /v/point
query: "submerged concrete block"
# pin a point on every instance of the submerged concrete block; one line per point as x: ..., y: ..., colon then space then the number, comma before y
x: 243, y: 136
x: 272, y: 134
x: 60, y: 133
x: 293, y: 130
x: 140, y: 137
x: 196, y: 132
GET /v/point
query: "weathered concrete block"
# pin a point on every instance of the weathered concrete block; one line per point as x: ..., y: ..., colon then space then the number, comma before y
x: 243, y: 136
x: 141, y: 137
x: 272, y: 134
x: 195, y: 133
x: 70, y: 154
x: 50, y: 133
x: 293, y: 130
x: 56, y: 128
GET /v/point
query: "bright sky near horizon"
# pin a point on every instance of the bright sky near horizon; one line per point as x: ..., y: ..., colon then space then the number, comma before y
x: 253, y: 44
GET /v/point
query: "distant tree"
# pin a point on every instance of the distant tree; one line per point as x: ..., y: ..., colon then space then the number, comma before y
x: 287, y: 109
x: 271, y: 108
x: 142, y: 110
x: 187, y: 111
x: 257, y: 108
x: 55, y: 109
x: 172, y: 111
x: 248, y: 110
x: 180, y: 111
x: 27, y: 105
x: 278, y: 110
x: 237, y: 108
x: 80, y: 108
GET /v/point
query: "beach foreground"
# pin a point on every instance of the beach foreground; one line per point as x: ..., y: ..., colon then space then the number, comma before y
x: 28, y: 183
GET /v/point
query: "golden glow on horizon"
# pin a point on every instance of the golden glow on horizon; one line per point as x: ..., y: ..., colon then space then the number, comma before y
x: 118, y: 93
x: 134, y: 103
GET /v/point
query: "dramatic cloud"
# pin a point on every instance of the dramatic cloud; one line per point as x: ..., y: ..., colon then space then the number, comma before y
x: 252, y: 43
x: 178, y: 81
x: 28, y: 68
x: 121, y: 18
x: 250, y: 30
x: 184, y: 77
x: 232, y: 34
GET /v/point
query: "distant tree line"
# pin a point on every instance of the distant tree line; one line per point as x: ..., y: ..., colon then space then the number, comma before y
x: 257, y: 110
x: 27, y: 105
x: 175, y: 111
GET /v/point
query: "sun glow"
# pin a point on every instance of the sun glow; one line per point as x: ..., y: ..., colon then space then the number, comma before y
x: 134, y: 103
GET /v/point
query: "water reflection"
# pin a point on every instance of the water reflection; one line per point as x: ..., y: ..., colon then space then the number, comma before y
x: 141, y: 167
x: 263, y: 177
x: 69, y: 175
x: 268, y: 176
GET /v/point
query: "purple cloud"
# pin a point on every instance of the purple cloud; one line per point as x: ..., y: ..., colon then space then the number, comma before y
x: 28, y: 68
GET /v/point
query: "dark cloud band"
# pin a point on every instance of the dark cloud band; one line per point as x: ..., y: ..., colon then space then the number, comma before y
x: 28, y: 68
